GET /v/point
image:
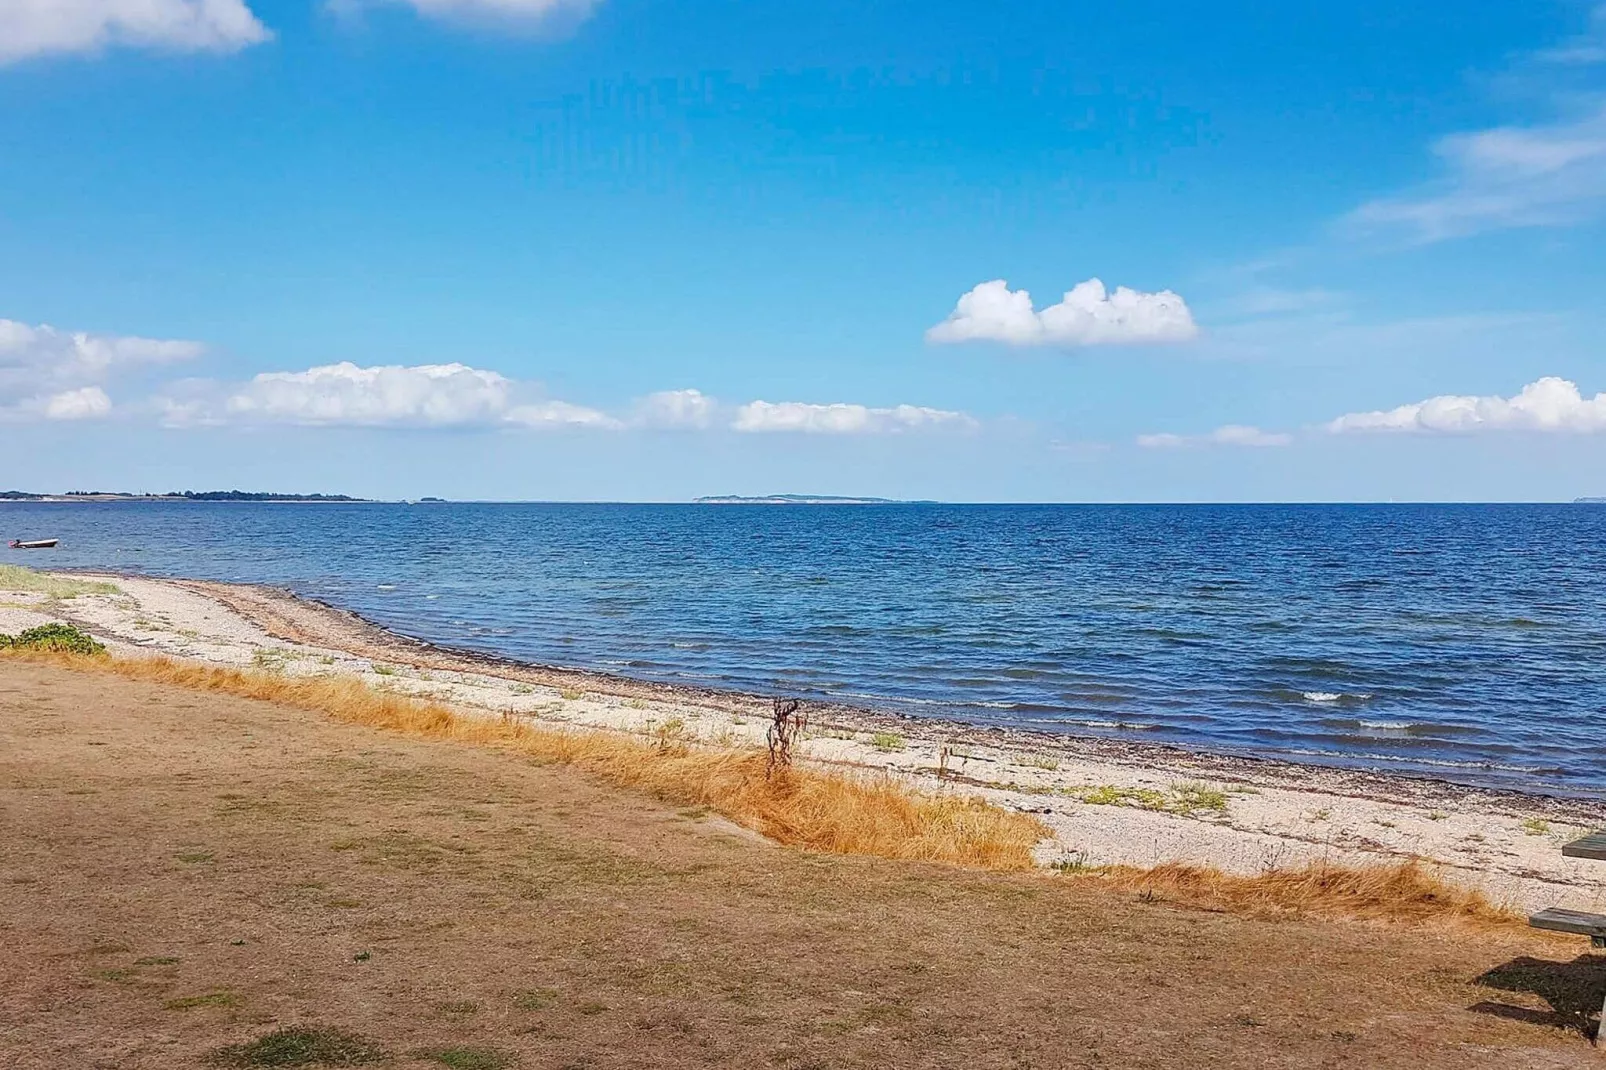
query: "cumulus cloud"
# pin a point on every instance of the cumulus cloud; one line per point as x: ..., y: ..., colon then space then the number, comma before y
x: 1229, y: 435
x: 429, y: 395
x: 676, y: 410
x: 85, y: 403
x: 43, y: 27
x: 1087, y: 315
x: 844, y: 419
x: 49, y: 372
x: 1549, y: 404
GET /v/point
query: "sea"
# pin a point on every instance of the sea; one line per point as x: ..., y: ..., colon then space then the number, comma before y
x: 1462, y: 642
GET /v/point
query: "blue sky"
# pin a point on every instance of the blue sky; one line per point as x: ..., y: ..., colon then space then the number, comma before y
x: 641, y: 250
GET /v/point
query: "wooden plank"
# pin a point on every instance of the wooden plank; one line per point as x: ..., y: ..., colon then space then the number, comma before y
x: 1591, y: 846
x: 1579, y: 922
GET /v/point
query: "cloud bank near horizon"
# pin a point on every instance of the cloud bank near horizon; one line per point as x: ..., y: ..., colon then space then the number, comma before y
x: 442, y: 396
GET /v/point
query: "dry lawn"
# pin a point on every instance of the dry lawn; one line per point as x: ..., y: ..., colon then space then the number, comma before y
x: 182, y: 871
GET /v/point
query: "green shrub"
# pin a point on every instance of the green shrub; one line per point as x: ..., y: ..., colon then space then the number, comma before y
x: 62, y: 637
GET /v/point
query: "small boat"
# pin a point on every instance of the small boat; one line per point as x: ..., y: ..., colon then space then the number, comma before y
x: 36, y: 544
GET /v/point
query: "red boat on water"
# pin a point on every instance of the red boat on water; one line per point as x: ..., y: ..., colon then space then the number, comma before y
x: 36, y: 544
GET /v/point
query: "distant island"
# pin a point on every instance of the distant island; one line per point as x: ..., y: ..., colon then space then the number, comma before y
x: 177, y: 495
x: 1589, y: 501
x: 801, y: 499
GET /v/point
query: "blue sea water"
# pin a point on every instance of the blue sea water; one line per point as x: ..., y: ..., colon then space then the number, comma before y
x: 1461, y: 641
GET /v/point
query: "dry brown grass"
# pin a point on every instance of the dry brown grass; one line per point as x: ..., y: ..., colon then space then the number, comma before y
x: 1399, y: 892
x: 836, y: 813
x: 804, y: 808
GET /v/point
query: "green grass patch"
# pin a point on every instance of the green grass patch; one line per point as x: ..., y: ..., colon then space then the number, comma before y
x: 1535, y: 826
x: 156, y: 960
x: 887, y: 741
x: 569, y: 694
x: 468, y: 1058
x: 17, y: 578
x: 1186, y: 797
x: 300, y: 1046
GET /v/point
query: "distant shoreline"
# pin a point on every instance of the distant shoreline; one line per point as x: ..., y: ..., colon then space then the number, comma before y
x: 197, y: 499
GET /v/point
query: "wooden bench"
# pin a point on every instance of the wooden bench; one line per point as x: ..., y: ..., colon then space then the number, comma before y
x: 1591, y: 846
x: 1580, y: 922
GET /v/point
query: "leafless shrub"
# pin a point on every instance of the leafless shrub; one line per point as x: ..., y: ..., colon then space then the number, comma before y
x: 788, y: 720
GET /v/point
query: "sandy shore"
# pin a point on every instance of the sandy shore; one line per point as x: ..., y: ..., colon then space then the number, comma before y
x: 1105, y: 801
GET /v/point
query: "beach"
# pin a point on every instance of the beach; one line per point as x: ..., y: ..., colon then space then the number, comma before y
x: 1104, y: 801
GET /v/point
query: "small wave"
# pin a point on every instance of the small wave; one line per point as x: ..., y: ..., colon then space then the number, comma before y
x: 385, y: 587
x: 1334, y: 696
x: 1093, y: 722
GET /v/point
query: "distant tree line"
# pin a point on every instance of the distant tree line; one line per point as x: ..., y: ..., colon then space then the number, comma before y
x: 197, y: 495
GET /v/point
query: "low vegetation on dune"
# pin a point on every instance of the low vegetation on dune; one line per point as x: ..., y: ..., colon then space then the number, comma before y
x: 18, y: 578
x: 826, y: 811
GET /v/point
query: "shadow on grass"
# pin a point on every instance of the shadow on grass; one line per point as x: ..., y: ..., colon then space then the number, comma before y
x: 1573, y: 989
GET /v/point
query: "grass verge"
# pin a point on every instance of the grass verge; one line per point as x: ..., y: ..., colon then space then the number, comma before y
x: 18, y: 578
x: 819, y: 811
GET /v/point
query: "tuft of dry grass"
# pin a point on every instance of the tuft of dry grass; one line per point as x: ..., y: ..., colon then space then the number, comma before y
x: 820, y: 811
x: 1397, y: 892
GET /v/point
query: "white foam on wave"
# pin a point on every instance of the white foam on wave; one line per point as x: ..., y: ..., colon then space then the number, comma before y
x: 1333, y: 696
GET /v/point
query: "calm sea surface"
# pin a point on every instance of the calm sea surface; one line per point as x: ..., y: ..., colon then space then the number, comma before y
x: 1467, y: 642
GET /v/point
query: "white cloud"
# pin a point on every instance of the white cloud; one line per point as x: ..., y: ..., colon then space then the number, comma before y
x: 1087, y: 315
x: 1548, y: 173
x: 844, y: 419
x: 676, y: 409
x: 85, y: 403
x: 387, y: 395
x: 559, y: 414
x: 525, y: 12
x: 43, y: 27
x: 1543, y: 175
x: 428, y: 395
x: 1229, y: 435
x: 458, y: 396
x: 45, y: 371
x: 1549, y: 404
